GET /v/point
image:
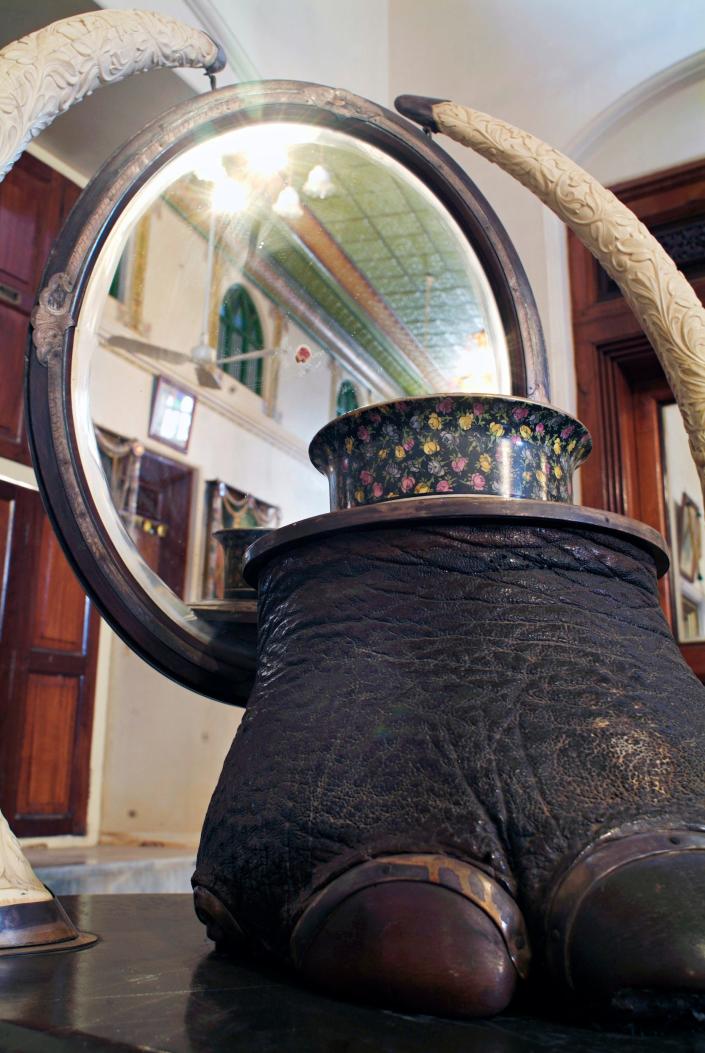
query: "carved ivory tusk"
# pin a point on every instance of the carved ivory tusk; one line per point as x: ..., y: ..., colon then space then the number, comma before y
x: 45, y: 73
x: 18, y: 882
x: 662, y: 299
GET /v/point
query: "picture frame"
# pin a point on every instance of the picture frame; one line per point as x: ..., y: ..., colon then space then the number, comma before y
x: 171, y: 414
x: 689, y: 538
x: 228, y: 508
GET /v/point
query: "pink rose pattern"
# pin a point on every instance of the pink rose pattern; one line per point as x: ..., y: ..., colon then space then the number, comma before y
x: 451, y: 445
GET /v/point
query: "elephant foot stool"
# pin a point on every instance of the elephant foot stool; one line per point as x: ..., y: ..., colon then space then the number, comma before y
x: 473, y: 756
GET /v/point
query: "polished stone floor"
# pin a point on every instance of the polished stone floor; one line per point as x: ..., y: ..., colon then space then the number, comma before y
x: 114, y: 868
x: 152, y: 983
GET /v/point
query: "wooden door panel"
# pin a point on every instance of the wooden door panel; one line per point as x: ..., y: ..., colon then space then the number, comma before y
x: 49, y: 632
x: 33, y: 202
x: 30, y: 209
x: 13, y: 340
x: 47, y: 677
x: 60, y: 606
x: 50, y: 709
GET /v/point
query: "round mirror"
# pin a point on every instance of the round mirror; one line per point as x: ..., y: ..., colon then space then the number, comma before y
x: 253, y: 264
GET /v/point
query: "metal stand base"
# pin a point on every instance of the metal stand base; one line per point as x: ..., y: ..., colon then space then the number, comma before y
x: 39, y: 928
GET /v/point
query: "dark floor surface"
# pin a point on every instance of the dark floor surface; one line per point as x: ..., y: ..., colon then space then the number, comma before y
x: 152, y: 984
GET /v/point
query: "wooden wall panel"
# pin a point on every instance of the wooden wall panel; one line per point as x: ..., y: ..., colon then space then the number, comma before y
x: 7, y: 515
x: 60, y: 605
x: 51, y: 704
x: 13, y: 340
x: 30, y: 213
x: 34, y: 199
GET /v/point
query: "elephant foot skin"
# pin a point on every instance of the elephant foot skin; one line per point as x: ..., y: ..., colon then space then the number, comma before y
x: 464, y: 740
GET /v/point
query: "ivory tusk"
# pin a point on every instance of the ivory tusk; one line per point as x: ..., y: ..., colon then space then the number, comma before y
x: 662, y: 299
x: 47, y: 72
x: 18, y: 882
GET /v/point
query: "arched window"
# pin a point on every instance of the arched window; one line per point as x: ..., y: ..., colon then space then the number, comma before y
x: 346, y: 399
x: 240, y: 330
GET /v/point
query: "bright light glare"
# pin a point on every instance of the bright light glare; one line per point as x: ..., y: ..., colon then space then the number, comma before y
x: 208, y: 165
x: 477, y: 366
x: 230, y: 196
x: 288, y: 204
x: 319, y: 183
x: 266, y: 146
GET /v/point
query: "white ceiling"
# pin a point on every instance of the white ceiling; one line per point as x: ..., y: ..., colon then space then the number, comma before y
x: 547, y: 65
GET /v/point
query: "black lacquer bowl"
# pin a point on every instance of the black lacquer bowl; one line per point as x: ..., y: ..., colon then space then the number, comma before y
x: 451, y: 444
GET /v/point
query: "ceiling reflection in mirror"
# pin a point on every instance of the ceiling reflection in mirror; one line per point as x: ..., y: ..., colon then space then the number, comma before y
x: 256, y: 286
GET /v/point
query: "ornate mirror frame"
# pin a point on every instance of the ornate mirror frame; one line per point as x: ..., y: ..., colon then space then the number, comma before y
x: 218, y: 659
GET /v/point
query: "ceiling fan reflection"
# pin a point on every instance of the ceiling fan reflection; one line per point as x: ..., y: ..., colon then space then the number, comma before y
x: 202, y: 357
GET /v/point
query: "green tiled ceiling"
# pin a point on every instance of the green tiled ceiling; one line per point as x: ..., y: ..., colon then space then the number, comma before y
x: 301, y: 269
x: 396, y: 237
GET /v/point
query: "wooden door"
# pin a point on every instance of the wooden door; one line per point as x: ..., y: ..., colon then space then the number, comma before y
x: 621, y: 386
x: 164, y: 516
x: 34, y: 200
x: 48, y: 650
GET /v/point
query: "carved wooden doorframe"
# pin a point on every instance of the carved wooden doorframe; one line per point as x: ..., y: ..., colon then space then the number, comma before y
x: 621, y: 386
x: 48, y: 630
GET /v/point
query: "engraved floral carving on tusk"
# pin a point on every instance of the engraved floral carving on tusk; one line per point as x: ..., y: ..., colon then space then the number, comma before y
x: 45, y: 73
x: 50, y: 318
x: 662, y: 299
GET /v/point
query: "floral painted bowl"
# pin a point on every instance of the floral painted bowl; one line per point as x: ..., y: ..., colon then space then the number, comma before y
x: 234, y: 541
x: 450, y: 444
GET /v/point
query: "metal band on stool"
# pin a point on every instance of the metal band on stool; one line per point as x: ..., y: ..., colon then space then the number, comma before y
x: 594, y: 864
x: 462, y: 878
x: 432, y: 509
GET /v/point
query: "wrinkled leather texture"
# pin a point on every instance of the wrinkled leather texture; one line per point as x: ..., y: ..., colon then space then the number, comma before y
x: 505, y: 694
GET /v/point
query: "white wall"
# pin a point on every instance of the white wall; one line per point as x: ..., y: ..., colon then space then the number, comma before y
x: 344, y: 45
x: 669, y: 131
x: 164, y: 750
x: 551, y: 68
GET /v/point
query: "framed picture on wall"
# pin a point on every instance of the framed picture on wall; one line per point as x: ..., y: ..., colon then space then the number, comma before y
x: 689, y: 541
x: 171, y: 415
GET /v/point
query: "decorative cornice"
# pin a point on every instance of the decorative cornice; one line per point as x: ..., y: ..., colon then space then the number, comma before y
x: 650, y: 91
x: 47, y: 72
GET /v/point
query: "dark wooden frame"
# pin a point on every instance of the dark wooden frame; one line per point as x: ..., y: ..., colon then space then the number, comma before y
x: 621, y: 386
x: 148, y: 617
x: 687, y: 520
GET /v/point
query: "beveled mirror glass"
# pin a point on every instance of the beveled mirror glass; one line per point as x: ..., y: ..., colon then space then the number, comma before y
x: 267, y: 259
